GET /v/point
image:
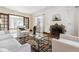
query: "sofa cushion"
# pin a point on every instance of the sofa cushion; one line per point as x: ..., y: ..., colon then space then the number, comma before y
x: 4, y: 50
x: 2, y: 32
x: 10, y: 44
x: 5, y: 36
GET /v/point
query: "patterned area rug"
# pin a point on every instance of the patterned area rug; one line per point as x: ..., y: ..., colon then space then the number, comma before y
x: 37, y: 46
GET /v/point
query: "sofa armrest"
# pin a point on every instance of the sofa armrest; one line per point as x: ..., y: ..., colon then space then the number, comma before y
x: 24, y: 48
x: 69, y: 37
x: 63, y: 45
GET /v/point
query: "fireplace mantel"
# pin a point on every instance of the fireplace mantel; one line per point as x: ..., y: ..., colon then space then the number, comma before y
x: 58, y: 22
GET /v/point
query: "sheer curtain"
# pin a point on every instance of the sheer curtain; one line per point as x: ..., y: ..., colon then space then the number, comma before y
x: 40, y: 23
x: 14, y: 22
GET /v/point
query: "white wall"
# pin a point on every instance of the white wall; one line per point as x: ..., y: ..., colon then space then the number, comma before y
x: 8, y: 11
x: 76, y: 15
x: 67, y: 16
x: 77, y: 20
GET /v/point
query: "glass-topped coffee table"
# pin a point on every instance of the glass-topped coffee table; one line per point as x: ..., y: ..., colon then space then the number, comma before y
x: 39, y: 42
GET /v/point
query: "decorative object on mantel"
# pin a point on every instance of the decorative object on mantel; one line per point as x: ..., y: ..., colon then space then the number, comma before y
x: 56, y: 29
x: 56, y: 17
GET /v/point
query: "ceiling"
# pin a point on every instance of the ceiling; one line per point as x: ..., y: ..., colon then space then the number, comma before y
x: 26, y: 9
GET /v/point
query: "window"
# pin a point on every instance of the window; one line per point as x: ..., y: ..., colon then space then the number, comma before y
x: 4, y: 21
x: 18, y: 21
x: 26, y: 22
x: 15, y: 22
x: 39, y: 22
x: 8, y: 21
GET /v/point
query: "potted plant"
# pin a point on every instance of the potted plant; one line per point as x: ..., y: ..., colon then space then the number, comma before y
x: 56, y: 29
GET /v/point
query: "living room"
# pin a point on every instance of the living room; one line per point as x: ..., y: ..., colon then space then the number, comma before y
x: 30, y: 25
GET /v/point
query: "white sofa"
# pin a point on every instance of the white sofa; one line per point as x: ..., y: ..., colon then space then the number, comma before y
x: 10, y: 44
x: 4, y: 35
x: 66, y: 43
